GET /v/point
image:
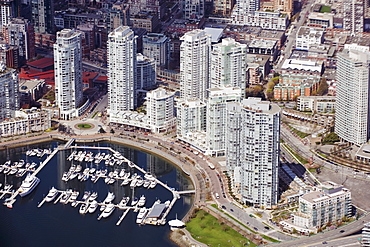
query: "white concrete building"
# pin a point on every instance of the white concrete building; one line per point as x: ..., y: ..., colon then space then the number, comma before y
x: 216, y: 117
x: 242, y: 7
x: 366, y: 235
x: 318, y: 104
x: 68, y: 73
x: 353, y: 15
x: 330, y: 203
x: 121, y: 70
x: 252, y: 147
x: 229, y: 64
x: 156, y: 46
x: 194, y: 64
x: 352, y: 104
x: 308, y: 37
x: 9, y: 92
x: 160, y: 110
x: 265, y: 19
x: 25, y: 121
x: 145, y: 72
x: 191, y: 116
x: 193, y: 9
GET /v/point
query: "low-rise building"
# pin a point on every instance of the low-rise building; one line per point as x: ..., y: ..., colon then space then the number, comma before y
x: 319, y: 104
x: 291, y: 86
x: 273, y: 20
x: 26, y: 121
x: 145, y: 20
x: 324, y: 20
x: 329, y: 203
x: 264, y: 47
x: 31, y: 90
x: 308, y: 37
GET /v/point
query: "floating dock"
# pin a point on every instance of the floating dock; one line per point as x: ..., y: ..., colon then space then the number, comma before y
x: 68, y: 145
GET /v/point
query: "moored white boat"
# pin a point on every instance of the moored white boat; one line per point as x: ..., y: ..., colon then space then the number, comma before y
x: 134, y: 201
x: 28, y: 185
x: 141, y: 215
x: 141, y: 201
x: 53, y: 192
x: 93, y: 206
x: 108, y: 210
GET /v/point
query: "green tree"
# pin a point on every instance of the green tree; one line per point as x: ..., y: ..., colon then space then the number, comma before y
x: 323, y: 87
x: 330, y: 138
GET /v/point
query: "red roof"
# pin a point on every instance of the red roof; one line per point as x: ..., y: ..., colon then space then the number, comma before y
x: 42, y: 63
x: 89, y: 75
x: 102, y: 78
x: 48, y: 76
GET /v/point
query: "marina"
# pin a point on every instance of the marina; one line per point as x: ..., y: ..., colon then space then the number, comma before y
x: 85, y: 167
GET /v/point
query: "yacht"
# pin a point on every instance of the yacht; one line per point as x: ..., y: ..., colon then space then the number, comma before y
x: 28, y: 185
x: 141, y: 215
x: 13, y: 171
x: 53, y: 192
x: 21, y: 172
x: 86, y: 195
x: 152, y: 184
x: 110, y: 197
x: 93, y: 206
x: 134, y: 201
x: 108, y: 210
x: 139, y: 181
x: 122, y: 173
x: 146, y: 183
x: 67, y: 194
x: 78, y: 168
x: 93, y: 196
x: 74, y: 196
x: 123, y: 202
x: 125, y: 181
x: 20, y: 164
x: 83, y: 208
x: 141, y: 201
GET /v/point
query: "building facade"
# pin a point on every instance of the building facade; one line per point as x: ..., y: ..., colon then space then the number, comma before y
x: 229, y: 64
x: 191, y: 117
x: 145, y: 72
x: 19, y: 32
x: 68, y: 73
x: 216, y: 117
x: 43, y: 16
x: 353, y: 15
x: 330, y: 203
x: 156, y: 46
x: 252, y: 147
x: 160, y: 110
x: 193, y: 9
x: 352, y: 105
x: 9, y: 93
x: 121, y: 70
x: 194, y: 64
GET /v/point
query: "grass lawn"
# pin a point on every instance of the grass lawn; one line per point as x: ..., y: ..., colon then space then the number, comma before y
x: 84, y: 126
x: 324, y: 9
x: 207, y: 229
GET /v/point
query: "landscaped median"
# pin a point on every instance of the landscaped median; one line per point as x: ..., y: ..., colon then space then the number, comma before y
x: 208, y: 229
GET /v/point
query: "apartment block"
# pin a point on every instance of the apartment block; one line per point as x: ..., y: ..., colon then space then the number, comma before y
x: 68, y: 73
x: 252, y: 147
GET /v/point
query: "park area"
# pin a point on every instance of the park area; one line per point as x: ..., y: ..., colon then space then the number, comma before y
x: 207, y: 229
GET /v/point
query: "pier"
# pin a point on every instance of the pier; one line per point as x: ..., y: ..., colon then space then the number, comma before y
x: 12, y: 199
x: 118, y: 159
